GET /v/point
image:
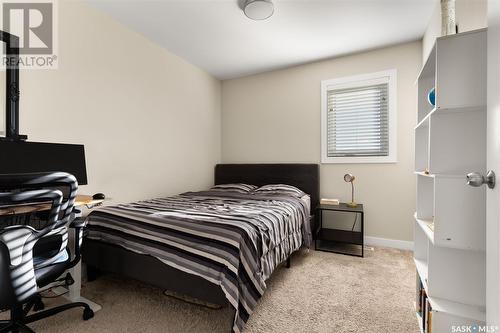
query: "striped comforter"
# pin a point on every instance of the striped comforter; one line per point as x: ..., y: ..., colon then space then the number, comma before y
x: 231, y: 239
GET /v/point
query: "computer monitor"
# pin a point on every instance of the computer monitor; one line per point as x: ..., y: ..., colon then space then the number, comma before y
x: 26, y: 157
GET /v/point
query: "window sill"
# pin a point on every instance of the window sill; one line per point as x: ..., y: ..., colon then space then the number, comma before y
x: 359, y: 160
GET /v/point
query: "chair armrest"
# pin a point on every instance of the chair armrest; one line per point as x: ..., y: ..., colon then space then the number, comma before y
x: 19, y: 241
x: 78, y: 224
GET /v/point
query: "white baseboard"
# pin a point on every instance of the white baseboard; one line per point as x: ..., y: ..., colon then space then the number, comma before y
x: 386, y: 242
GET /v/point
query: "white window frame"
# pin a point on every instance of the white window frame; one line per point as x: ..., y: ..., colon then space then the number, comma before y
x: 388, y: 76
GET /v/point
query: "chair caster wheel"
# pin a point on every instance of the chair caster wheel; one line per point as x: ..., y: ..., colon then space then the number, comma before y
x: 88, y: 314
x: 38, y: 306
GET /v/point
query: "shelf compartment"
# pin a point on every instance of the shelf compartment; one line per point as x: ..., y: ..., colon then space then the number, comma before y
x: 425, y: 196
x: 466, y: 108
x: 456, y: 67
x: 446, y: 314
x: 427, y: 227
x: 445, y: 322
x: 459, y: 214
x: 476, y: 313
x: 456, y: 141
x: 456, y: 275
x: 421, y: 266
x: 456, y: 211
x: 461, y: 69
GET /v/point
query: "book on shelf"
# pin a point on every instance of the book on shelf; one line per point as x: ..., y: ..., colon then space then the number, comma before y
x: 428, y: 321
x: 422, y: 306
x: 423, y: 300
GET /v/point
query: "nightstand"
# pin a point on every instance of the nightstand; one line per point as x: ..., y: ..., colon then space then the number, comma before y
x: 330, y: 235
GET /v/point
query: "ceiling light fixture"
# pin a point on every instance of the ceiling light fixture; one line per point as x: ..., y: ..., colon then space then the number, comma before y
x: 258, y: 9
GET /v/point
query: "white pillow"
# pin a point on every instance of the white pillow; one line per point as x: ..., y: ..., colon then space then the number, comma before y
x: 239, y: 187
x: 280, y: 189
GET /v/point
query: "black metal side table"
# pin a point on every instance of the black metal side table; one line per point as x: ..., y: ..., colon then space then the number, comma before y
x: 326, y: 235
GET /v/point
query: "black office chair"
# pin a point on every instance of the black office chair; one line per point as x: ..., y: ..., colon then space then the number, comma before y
x: 34, y: 259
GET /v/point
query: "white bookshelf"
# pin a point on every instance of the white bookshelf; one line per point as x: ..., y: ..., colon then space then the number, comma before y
x: 450, y: 221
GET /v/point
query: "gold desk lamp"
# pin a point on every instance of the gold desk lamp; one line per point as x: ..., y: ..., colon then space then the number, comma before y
x: 350, y: 179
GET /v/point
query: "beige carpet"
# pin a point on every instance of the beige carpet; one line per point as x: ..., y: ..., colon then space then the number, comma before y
x: 321, y: 292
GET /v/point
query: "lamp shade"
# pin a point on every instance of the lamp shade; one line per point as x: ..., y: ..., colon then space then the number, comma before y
x: 258, y: 9
x: 349, y: 178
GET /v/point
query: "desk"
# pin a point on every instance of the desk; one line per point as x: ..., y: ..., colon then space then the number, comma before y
x: 72, y: 293
x: 81, y: 200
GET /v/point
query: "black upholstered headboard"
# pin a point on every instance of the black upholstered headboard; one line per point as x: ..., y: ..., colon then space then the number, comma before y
x: 303, y: 176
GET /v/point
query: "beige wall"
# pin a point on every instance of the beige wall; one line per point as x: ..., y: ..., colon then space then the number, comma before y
x: 469, y: 15
x: 275, y: 117
x: 149, y: 120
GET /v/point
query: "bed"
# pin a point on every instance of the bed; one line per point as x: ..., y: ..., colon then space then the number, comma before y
x: 223, y: 262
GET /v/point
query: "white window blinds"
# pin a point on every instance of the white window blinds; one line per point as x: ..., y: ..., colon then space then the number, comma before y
x: 358, y: 121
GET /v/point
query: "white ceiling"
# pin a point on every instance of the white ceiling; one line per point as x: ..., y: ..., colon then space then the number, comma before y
x: 216, y: 35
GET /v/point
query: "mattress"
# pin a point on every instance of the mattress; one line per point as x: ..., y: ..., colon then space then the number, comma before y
x: 231, y: 239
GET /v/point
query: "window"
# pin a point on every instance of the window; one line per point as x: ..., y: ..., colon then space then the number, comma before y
x: 358, y: 119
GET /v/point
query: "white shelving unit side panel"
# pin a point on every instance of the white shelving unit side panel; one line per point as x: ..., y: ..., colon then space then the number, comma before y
x: 461, y: 70
x: 420, y: 245
x: 457, y: 275
x: 426, y: 81
x: 459, y: 214
x: 457, y: 142
x: 424, y: 87
x: 422, y: 148
x: 425, y: 197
